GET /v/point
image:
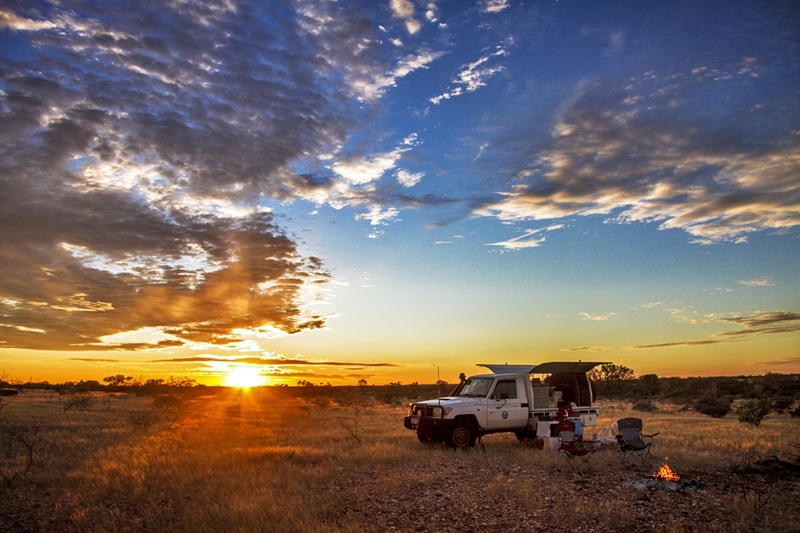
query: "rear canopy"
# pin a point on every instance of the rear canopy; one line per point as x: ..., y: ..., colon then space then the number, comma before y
x: 555, y: 367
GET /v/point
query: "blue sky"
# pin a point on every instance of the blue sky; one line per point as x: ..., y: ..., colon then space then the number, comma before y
x: 338, y: 191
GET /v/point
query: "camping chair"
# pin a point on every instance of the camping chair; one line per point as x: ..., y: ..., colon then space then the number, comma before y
x: 572, y: 449
x: 632, y: 442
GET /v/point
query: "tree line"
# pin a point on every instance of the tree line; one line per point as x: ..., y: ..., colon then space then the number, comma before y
x: 713, y: 396
x: 749, y: 397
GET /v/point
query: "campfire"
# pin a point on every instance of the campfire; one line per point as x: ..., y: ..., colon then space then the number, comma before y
x: 664, y: 480
x: 665, y: 473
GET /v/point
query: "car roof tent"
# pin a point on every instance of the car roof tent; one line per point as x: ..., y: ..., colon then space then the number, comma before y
x: 555, y: 367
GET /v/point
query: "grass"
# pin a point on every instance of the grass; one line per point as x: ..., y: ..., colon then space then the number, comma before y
x: 260, y: 462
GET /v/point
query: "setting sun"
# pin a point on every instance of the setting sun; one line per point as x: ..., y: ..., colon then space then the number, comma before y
x: 244, y: 377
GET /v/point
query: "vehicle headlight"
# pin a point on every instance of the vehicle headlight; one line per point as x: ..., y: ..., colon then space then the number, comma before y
x: 439, y: 412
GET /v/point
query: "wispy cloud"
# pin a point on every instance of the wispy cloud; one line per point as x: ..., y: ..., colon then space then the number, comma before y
x: 586, y: 349
x: 762, y: 323
x: 674, y: 344
x: 494, y: 6
x: 530, y: 238
x: 754, y: 324
x: 598, y: 318
x: 788, y: 362
x: 760, y: 282
x: 474, y: 75
x: 269, y: 361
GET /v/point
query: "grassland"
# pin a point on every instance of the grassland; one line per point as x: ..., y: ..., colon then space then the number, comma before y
x: 261, y: 461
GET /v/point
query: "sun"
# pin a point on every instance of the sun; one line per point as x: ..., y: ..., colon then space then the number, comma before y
x: 244, y: 377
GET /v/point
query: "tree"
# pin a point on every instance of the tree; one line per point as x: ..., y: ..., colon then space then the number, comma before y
x: 753, y: 411
x: 118, y: 380
x: 610, y: 377
x: 648, y: 385
x: 362, y: 382
x: 180, y: 381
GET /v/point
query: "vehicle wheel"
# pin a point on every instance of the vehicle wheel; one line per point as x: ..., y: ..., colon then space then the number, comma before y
x: 463, y: 435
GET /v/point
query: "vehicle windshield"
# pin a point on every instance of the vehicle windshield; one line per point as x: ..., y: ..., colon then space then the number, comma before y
x: 476, y: 387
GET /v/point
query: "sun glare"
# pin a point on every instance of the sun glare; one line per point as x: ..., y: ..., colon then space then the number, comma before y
x: 244, y: 377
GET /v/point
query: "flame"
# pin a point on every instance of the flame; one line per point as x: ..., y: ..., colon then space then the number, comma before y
x: 665, y: 473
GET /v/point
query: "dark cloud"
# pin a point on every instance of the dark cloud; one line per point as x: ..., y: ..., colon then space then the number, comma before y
x: 646, y: 153
x: 91, y: 360
x: 280, y: 361
x: 763, y: 323
x: 791, y: 361
x: 673, y: 344
x: 759, y: 323
x: 135, y: 146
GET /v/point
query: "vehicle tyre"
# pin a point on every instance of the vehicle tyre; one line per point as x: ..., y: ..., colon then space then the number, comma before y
x: 463, y: 435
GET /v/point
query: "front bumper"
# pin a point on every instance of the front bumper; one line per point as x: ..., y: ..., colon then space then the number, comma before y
x: 433, y: 428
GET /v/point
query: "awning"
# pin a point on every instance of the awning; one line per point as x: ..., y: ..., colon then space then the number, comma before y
x: 555, y: 367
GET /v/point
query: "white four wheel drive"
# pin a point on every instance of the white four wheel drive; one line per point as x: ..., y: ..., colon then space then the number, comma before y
x: 515, y: 398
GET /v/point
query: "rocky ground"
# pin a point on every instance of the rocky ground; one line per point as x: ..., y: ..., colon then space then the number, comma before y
x: 479, y: 491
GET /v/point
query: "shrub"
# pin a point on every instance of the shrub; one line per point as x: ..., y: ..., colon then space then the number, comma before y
x: 715, y: 408
x: 645, y: 405
x: 781, y: 404
x: 79, y: 402
x: 753, y: 411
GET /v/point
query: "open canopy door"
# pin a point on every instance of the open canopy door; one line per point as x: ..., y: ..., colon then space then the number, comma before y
x: 555, y: 367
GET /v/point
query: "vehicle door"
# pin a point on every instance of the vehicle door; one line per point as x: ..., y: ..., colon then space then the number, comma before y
x: 505, y: 405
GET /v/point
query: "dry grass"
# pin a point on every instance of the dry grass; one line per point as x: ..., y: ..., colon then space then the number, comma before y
x: 255, y: 462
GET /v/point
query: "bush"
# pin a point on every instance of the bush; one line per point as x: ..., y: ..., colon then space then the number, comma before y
x: 715, y: 408
x: 646, y: 406
x: 79, y: 402
x: 753, y: 411
x: 781, y: 404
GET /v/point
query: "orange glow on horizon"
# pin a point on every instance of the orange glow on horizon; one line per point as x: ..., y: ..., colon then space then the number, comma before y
x: 244, y: 377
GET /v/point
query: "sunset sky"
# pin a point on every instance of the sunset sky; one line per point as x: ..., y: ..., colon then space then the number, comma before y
x: 334, y: 191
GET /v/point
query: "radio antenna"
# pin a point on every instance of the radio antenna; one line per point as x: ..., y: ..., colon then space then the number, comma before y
x: 438, y: 386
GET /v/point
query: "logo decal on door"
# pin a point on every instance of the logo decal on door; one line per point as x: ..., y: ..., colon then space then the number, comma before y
x: 504, y: 414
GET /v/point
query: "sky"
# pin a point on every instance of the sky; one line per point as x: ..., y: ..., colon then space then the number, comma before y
x: 397, y: 190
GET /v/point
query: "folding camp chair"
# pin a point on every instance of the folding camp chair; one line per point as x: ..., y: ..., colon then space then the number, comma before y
x: 572, y: 449
x: 633, y: 444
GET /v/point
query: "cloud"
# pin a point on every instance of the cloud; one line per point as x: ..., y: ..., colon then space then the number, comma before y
x: 134, y: 171
x: 409, y: 179
x: 757, y: 323
x: 66, y: 304
x: 674, y: 344
x: 94, y: 360
x: 374, y: 83
x: 404, y: 9
x: 269, y: 361
x: 473, y: 76
x: 638, y: 160
x: 760, y: 282
x: 598, y: 318
x: 138, y: 147
x: 378, y: 216
x: 529, y: 239
x: 495, y: 6
x: 586, y: 349
x: 789, y: 362
x: 762, y: 323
